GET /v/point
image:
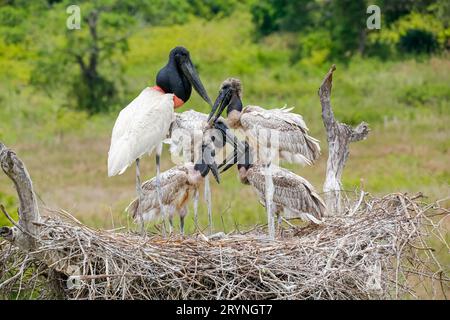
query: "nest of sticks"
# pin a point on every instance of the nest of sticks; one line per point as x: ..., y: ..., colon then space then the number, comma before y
x: 379, y: 249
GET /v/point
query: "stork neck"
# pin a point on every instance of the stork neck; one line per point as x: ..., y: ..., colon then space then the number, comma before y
x: 177, y: 102
x: 233, y: 119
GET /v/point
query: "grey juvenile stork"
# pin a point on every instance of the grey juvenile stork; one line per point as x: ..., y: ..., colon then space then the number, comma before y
x: 178, y: 184
x: 187, y: 133
x: 293, y: 195
x: 190, y: 130
x: 271, y: 132
x: 294, y: 144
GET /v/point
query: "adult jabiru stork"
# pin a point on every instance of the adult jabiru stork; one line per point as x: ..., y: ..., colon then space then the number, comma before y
x: 143, y: 124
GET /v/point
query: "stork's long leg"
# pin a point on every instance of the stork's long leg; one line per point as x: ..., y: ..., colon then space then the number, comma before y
x: 196, y: 196
x: 158, y: 187
x: 170, y: 224
x: 269, y: 200
x: 208, y: 204
x: 279, y: 221
x: 269, y: 188
x: 140, y: 196
x: 183, y: 213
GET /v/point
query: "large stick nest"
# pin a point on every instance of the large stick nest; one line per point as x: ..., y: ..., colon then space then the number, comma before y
x: 379, y: 249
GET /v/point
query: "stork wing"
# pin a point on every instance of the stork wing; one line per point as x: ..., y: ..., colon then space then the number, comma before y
x: 295, y: 145
x: 139, y: 128
x: 186, y: 133
x: 173, y: 183
x: 190, y: 120
x: 292, y: 192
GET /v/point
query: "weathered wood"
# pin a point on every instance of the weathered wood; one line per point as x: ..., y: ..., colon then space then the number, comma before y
x: 23, y: 234
x: 339, y: 136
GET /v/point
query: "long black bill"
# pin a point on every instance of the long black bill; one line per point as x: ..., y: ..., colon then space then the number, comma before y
x: 230, y: 138
x: 220, y: 104
x: 229, y: 162
x: 208, y: 163
x: 191, y: 73
x: 240, y: 149
x: 215, y: 171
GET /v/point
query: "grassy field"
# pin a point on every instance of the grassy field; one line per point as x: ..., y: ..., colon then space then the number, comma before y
x: 406, y: 103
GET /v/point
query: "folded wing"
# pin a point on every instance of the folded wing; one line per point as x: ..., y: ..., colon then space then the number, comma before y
x: 139, y: 128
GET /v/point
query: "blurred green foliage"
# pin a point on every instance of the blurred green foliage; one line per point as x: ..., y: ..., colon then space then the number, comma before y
x: 86, y: 66
x: 9, y: 202
x: 344, y: 22
x: 418, y: 41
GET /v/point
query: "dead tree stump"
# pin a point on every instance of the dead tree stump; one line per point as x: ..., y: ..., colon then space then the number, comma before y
x: 24, y: 232
x: 339, y: 136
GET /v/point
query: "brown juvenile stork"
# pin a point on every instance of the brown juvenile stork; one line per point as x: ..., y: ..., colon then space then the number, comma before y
x: 272, y: 133
x: 187, y: 133
x: 178, y: 184
x: 292, y: 195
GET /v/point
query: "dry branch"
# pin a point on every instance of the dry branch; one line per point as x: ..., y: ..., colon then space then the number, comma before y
x: 339, y: 136
x: 14, y: 168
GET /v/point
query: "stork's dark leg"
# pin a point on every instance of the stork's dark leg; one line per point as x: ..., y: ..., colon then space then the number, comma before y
x: 196, y: 196
x: 208, y: 204
x: 183, y: 213
x: 269, y: 190
x: 279, y: 221
x: 170, y: 224
x: 140, y: 196
x: 158, y: 187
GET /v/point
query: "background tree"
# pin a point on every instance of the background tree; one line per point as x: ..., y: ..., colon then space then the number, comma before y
x: 347, y: 26
x: 275, y: 15
x: 102, y: 38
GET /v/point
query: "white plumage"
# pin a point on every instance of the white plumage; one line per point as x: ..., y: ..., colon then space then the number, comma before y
x: 139, y: 128
x: 188, y: 132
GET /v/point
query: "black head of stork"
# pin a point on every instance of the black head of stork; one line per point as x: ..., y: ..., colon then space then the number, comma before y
x: 207, y: 162
x: 179, y: 75
x: 230, y: 97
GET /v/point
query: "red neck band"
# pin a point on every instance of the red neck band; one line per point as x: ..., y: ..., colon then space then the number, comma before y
x: 177, y: 102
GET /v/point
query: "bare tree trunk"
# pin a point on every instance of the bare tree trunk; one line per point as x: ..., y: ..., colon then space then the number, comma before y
x: 23, y: 233
x: 362, y: 41
x: 339, y: 136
